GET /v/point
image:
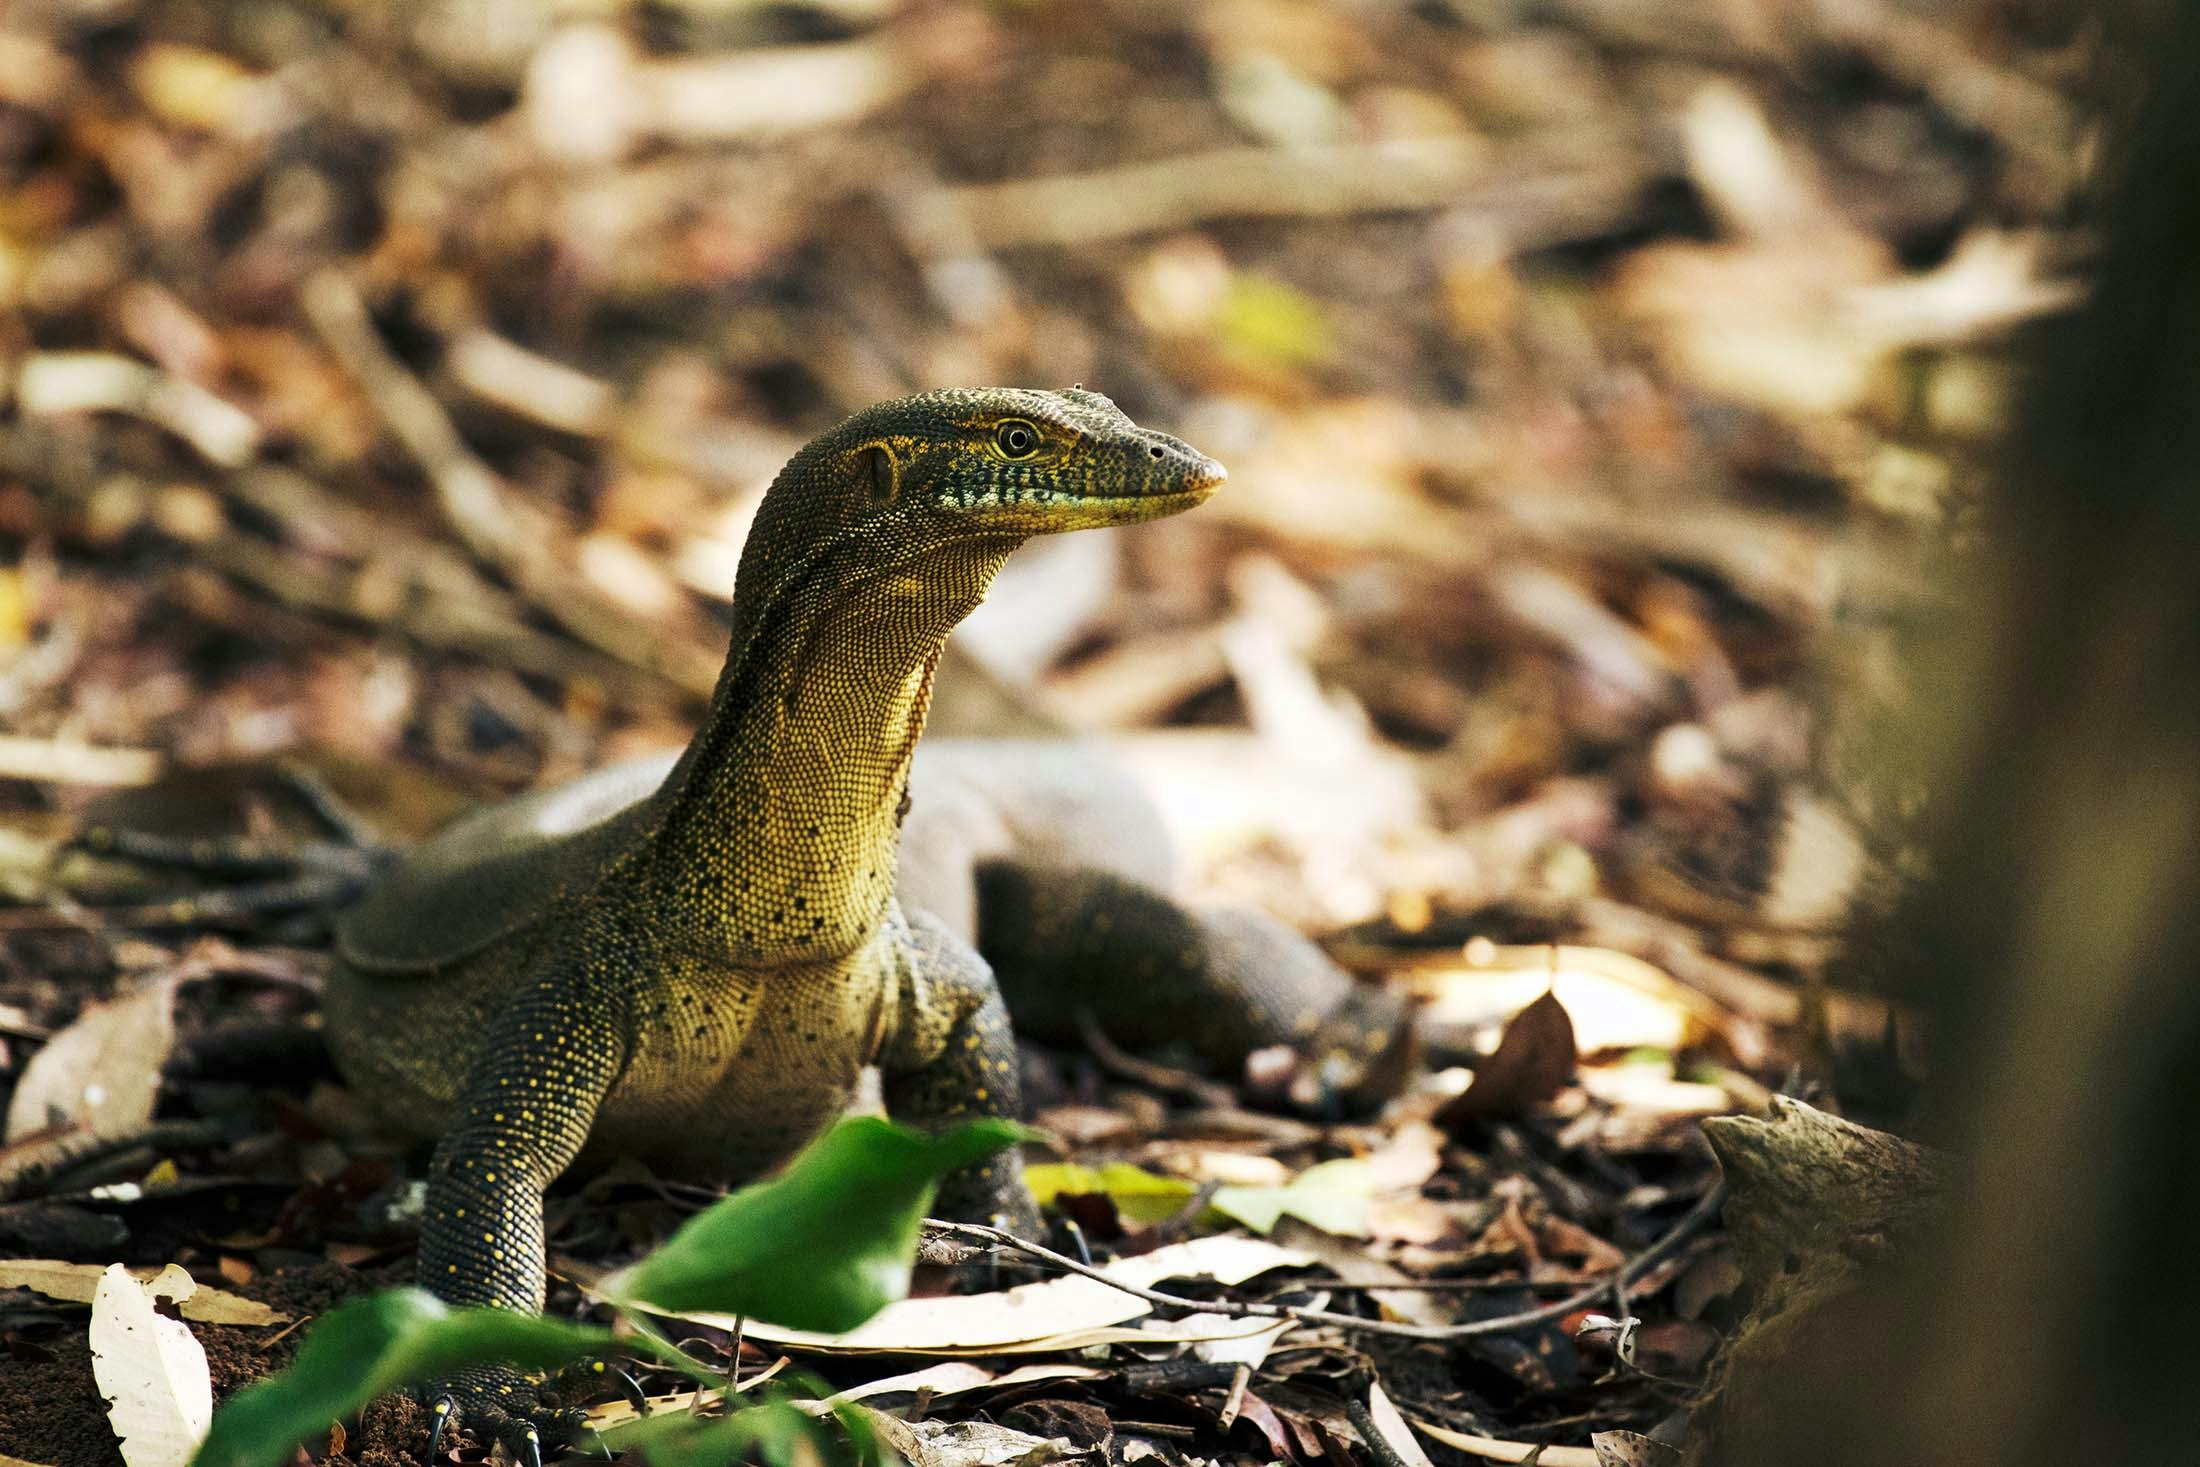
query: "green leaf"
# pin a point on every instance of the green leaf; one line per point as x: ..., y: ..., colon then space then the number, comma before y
x: 1332, y: 1195
x: 370, y: 1347
x: 1139, y: 1195
x: 1267, y: 321
x: 824, y: 1245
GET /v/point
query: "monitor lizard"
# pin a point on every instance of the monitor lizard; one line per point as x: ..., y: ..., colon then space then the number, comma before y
x: 693, y: 962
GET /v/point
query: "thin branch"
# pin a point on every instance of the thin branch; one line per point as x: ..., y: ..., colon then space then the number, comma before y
x: 1704, y: 1210
x: 473, y: 500
x: 64, y: 761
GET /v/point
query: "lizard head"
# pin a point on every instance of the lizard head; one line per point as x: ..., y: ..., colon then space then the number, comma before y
x: 932, y: 492
x: 1020, y: 461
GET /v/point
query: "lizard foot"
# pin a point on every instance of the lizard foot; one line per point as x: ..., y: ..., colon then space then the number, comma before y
x: 495, y: 1404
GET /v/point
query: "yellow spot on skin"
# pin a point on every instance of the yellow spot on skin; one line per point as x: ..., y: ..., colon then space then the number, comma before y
x: 980, y: 1093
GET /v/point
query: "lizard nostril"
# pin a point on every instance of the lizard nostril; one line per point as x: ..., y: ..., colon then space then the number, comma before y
x: 1155, y: 450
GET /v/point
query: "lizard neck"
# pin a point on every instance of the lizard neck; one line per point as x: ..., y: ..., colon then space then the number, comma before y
x: 778, y: 829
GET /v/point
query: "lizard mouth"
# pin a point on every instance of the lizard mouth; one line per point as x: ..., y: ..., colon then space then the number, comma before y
x: 1195, y: 487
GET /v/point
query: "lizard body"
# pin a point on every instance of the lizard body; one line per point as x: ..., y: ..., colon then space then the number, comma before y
x: 694, y: 963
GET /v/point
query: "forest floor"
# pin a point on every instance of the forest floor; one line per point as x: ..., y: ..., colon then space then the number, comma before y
x: 384, y: 393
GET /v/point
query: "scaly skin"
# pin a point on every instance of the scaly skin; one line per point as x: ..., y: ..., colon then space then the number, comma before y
x: 700, y: 978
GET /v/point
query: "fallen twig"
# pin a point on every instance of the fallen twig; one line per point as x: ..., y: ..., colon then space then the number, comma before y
x: 473, y: 501
x: 1704, y: 1210
x: 63, y: 761
x: 1529, y: 207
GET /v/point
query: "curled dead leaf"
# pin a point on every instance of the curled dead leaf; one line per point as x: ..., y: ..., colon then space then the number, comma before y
x: 1532, y: 1063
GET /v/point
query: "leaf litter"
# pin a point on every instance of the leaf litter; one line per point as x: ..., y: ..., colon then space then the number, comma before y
x: 1583, y: 379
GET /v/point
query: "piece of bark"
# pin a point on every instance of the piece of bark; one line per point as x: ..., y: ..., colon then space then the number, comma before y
x: 1808, y: 1190
x: 2049, y: 1319
x: 1814, y: 1204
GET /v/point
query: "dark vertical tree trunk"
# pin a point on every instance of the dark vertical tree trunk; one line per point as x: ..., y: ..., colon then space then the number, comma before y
x: 2051, y: 1320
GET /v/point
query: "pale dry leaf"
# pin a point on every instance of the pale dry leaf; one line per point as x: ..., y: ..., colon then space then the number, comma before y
x: 151, y: 1369
x: 78, y: 1283
x: 948, y: 1378
x: 1393, y: 1428
x: 1353, y: 1263
x: 1410, y: 1157
x: 1632, y: 1449
x: 1616, y: 1000
x: 1239, y: 1349
x: 1054, y: 1314
x: 1495, y: 1449
x: 100, y: 1075
x: 964, y: 1443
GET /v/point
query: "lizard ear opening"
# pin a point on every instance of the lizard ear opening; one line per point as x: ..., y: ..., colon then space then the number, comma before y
x: 882, y: 473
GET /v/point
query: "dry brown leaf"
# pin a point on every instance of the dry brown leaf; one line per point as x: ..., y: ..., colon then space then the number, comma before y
x: 100, y: 1076
x: 965, y: 1443
x: 1564, y: 1239
x: 1532, y: 1063
x: 78, y: 1283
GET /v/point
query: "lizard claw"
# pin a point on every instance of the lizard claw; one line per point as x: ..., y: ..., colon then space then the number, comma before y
x: 632, y: 1388
x: 494, y: 1404
x: 522, y: 1441
x: 443, y: 1409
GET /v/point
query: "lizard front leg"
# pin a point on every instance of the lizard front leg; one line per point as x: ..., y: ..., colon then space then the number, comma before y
x: 954, y: 1059
x: 527, y: 1106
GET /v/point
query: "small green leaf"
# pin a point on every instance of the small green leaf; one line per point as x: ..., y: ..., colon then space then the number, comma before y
x: 1139, y: 1195
x: 1332, y: 1195
x: 370, y: 1347
x: 1268, y: 321
x: 824, y: 1245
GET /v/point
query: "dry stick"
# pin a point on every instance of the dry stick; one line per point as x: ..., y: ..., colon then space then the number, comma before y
x: 1705, y: 1209
x: 447, y: 615
x: 473, y: 501
x: 1363, y: 1421
x: 1550, y: 200
x: 64, y: 761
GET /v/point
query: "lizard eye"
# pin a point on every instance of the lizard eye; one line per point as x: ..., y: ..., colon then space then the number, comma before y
x: 1016, y: 438
x: 884, y: 473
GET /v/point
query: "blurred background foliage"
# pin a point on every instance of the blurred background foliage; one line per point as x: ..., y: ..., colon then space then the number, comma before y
x: 393, y: 382
x: 1609, y: 390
